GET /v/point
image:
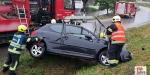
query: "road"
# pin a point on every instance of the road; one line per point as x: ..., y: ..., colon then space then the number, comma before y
x: 142, y: 17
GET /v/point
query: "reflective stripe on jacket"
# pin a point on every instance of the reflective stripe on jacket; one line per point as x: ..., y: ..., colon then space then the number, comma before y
x: 119, y: 35
x: 113, y: 61
x: 17, y: 44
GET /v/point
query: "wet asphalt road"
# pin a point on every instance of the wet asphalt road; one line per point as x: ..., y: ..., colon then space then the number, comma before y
x: 142, y: 17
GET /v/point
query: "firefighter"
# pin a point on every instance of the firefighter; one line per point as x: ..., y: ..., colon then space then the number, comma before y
x: 18, y: 44
x: 72, y: 21
x: 53, y: 21
x: 117, y: 40
x: 72, y: 15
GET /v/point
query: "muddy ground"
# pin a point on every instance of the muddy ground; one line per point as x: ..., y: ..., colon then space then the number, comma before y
x: 3, y: 50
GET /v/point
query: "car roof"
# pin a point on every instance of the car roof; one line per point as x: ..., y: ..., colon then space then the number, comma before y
x: 59, y: 24
x: 46, y: 27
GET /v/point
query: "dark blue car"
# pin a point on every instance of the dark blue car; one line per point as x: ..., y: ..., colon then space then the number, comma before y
x: 72, y: 40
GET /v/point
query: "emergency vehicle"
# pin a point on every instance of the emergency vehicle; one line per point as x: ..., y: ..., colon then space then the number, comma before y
x: 19, y: 12
x: 125, y: 9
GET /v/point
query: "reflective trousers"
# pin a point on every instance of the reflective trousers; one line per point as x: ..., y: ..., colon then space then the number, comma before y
x: 12, y: 61
x: 114, y: 53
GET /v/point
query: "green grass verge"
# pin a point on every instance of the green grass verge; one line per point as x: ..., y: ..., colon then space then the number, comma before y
x: 110, y: 15
x: 90, y: 10
x: 143, y: 4
x: 105, y: 16
x: 137, y: 38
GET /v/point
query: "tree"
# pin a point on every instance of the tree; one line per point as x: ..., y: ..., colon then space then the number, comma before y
x: 0, y: 1
x: 105, y: 4
x: 108, y: 4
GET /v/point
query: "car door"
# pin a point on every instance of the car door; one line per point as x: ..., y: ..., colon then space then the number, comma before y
x: 54, y: 38
x: 75, y: 42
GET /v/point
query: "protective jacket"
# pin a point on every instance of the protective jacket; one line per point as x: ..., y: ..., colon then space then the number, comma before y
x: 116, y: 31
x: 119, y: 35
x: 19, y: 43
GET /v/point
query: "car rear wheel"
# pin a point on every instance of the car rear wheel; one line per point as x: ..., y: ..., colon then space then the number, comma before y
x: 37, y: 51
x: 103, y: 59
x: 134, y: 15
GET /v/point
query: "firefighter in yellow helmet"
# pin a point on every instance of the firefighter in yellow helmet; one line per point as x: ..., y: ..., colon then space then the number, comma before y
x: 17, y: 44
x: 118, y: 39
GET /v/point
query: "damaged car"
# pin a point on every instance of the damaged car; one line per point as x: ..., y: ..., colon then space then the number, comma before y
x: 72, y: 40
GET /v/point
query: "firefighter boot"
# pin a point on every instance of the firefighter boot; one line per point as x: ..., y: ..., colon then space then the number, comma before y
x: 112, y: 65
x: 5, y: 69
x: 12, y: 73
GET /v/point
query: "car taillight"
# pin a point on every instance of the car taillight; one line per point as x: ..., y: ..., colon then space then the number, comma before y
x: 34, y: 33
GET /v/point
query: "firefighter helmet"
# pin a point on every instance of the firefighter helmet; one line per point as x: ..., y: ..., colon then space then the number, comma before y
x: 53, y: 21
x: 72, y: 15
x: 116, y: 19
x: 22, y: 28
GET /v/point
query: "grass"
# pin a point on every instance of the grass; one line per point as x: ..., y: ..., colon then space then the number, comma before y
x: 143, y: 4
x: 137, y: 38
x: 110, y: 15
x: 105, y: 16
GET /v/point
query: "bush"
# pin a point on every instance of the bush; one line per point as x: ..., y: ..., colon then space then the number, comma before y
x: 90, y: 9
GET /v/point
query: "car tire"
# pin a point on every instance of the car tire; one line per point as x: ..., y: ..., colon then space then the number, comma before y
x: 129, y: 16
x: 134, y: 15
x: 37, y: 51
x: 102, y: 58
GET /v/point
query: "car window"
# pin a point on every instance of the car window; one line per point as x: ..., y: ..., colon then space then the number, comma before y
x: 85, y: 32
x: 73, y: 30
x: 77, y: 31
x: 56, y: 28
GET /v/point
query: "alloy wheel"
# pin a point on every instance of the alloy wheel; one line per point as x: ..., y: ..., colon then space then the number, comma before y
x: 36, y: 50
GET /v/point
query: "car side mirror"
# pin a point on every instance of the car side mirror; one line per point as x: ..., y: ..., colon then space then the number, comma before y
x: 88, y: 37
x: 98, y: 39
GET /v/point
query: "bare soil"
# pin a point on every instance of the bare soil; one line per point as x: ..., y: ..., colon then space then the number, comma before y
x: 3, y: 50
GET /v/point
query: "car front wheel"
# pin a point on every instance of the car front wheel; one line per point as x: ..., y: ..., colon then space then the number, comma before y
x: 37, y: 51
x: 103, y: 59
